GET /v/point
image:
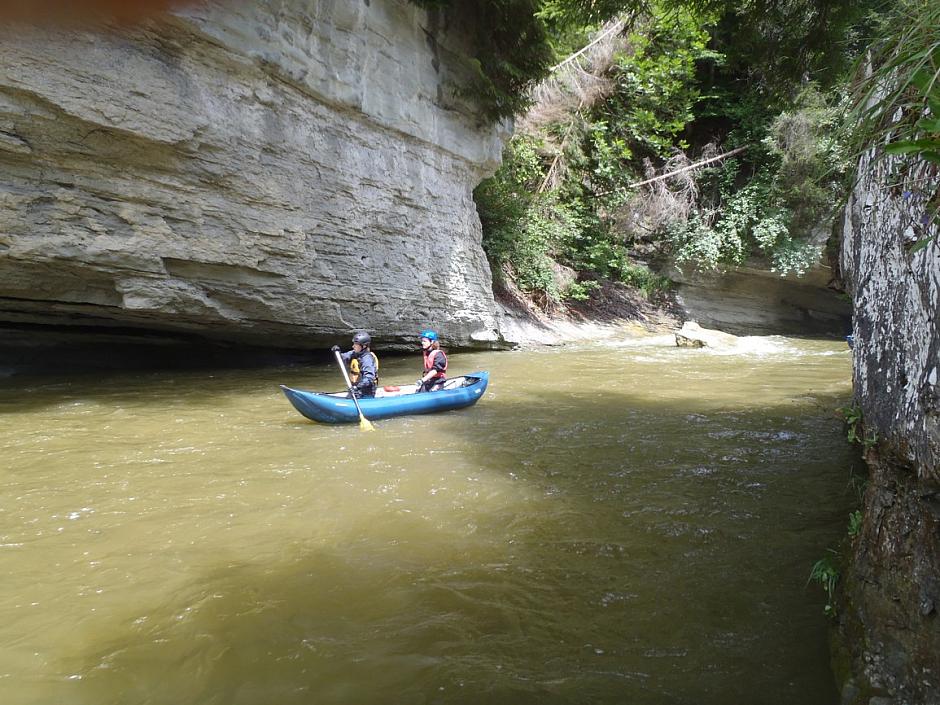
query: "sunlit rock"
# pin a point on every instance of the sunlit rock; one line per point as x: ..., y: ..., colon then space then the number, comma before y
x: 278, y: 173
x: 692, y: 335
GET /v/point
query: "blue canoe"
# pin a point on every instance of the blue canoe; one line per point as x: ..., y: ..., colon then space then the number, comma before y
x: 458, y: 393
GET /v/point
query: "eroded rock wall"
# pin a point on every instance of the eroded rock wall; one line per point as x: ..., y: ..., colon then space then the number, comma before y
x: 892, y: 625
x: 754, y: 301
x: 268, y: 172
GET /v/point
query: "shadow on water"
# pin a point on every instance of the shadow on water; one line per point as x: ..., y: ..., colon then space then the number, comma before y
x: 167, y: 384
x: 157, y: 388
x: 342, y: 628
x: 636, y: 570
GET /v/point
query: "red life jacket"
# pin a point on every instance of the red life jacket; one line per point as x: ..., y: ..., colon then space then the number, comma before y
x: 429, y: 356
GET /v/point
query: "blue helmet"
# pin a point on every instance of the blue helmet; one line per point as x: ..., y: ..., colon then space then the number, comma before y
x: 429, y: 334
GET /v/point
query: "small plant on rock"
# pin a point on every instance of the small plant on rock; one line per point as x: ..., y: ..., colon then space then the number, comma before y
x: 855, y: 523
x: 826, y: 572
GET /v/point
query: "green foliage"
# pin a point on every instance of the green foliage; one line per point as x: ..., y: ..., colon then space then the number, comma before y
x: 774, y: 46
x: 503, y: 199
x: 512, y: 51
x: 749, y: 221
x: 608, y: 153
x: 696, y: 241
x: 792, y: 180
x: 812, y: 155
x: 858, y: 483
x: 593, y: 249
x: 654, y: 97
x: 581, y: 291
x: 897, y: 101
x: 792, y: 255
x: 902, y: 80
x: 778, y: 41
x: 855, y: 427
x: 853, y: 419
x: 576, y: 12
x: 524, y: 231
x: 640, y: 277
x: 855, y: 523
x: 596, y: 250
x: 826, y: 573
x: 547, y: 226
x: 694, y: 73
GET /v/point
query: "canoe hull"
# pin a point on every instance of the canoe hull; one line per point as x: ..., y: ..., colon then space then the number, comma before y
x: 326, y: 408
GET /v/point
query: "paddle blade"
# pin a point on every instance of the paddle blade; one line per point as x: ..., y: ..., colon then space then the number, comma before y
x: 365, y: 424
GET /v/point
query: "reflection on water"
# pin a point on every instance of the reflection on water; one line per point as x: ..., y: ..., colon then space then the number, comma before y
x: 631, y: 523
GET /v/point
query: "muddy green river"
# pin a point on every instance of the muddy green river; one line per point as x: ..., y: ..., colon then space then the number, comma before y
x: 630, y: 523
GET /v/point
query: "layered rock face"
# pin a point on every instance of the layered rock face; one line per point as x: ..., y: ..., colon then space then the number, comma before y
x: 274, y: 173
x: 892, y: 623
x: 755, y: 301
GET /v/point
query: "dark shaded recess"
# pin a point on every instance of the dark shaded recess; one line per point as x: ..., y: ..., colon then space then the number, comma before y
x: 31, y: 349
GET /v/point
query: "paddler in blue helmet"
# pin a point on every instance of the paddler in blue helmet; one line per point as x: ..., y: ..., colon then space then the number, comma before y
x: 435, y: 363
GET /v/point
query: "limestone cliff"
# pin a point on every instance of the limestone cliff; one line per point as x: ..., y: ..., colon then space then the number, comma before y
x: 267, y: 172
x: 892, y: 626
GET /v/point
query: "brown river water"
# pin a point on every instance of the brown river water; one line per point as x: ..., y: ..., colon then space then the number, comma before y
x: 628, y: 523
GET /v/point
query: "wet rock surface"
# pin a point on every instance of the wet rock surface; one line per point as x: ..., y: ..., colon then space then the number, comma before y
x: 692, y: 335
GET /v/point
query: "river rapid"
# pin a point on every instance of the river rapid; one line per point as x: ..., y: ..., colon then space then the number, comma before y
x: 626, y: 523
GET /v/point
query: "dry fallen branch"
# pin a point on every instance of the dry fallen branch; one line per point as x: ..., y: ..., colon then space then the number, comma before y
x: 660, y: 201
x: 577, y: 81
x: 670, y: 174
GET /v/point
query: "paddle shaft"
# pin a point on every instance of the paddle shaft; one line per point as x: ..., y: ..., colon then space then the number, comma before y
x: 342, y: 368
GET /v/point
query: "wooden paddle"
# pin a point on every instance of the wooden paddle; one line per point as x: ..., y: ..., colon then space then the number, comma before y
x: 364, y: 423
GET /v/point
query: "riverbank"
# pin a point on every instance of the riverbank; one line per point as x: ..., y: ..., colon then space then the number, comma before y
x: 613, y: 308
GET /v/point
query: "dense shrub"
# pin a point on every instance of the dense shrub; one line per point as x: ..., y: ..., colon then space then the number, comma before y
x: 688, y: 80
